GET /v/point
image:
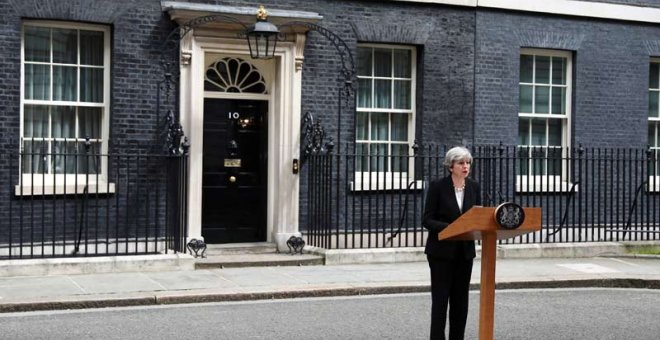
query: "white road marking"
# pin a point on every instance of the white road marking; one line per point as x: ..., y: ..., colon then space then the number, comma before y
x: 588, y: 268
x: 624, y: 262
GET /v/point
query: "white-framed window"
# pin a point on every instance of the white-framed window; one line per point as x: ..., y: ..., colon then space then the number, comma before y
x: 654, y: 122
x: 385, y: 118
x: 65, y: 92
x: 544, y: 113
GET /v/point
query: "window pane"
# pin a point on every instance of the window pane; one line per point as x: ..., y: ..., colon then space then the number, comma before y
x: 64, y: 83
x: 65, y: 46
x: 554, y: 132
x: 542, y: 69
x: 63, y: 122
x: 362, y: 125
x: 526, y: 98
x: 91, y: 85
x: 538, y: 161
x: 651, y: 137
x: 538, y: 132
x: 89, y: 119
x: 377, y: 156
x: 523, y: 161
x: 382, y: 62
x: 542, y: 97
x: 364, y: 93
x: 402, y: 94
x: 35, y: 121
x: 34, y: 157
x: 653, y: 104
x: 526, y: 68
x: 363, y: 159
x: 402, y: 63
x: 37, y: 82
x: 654, y: 76
x: 558, y: 100
x: 523, y: 131
x: 65, y: 157
x: 37, y: 44
x: 399, y: 127
x: 559, y: 70
x: 653, y: 168
x: 91, y: 48
x: 89, y: 159
x: 400, y: 160
x: 554, y: 161
x: 379, y: 126
x: 383, y: 93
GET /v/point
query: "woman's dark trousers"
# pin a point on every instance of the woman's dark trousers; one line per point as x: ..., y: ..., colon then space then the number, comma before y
x: 450, y: 285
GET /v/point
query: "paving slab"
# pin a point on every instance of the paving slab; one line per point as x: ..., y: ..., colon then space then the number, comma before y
x: 116, y: 283
x: 28, y: 287
x: 198, y: 279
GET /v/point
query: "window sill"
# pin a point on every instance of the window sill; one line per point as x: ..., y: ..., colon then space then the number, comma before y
x: 46, y: 190
x: 653, y: 185
x: 366, y: 186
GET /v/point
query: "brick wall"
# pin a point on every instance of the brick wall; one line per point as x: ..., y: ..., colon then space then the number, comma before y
x: 467, y: 88
x: 138, y: 29
x: 610, y: 70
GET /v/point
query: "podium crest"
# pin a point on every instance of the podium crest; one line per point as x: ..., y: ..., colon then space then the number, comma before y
x: 509, y: 215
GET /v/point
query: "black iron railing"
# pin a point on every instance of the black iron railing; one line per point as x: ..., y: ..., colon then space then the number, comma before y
x: 360, y: 200
x: 85, y: 203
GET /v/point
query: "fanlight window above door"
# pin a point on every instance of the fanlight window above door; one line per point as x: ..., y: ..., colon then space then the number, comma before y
x: 234, y: 75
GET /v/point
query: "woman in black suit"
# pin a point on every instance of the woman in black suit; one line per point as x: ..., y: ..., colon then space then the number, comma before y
x: 450, y: 261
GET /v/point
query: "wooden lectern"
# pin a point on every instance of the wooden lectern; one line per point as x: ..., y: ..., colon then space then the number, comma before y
x: 478, y: 223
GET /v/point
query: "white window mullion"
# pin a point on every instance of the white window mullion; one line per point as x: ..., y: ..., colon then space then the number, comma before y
x: 391, y: 80
x: 79, y: 61
x: 547, y: 145
x: 530, y: 147
x: 388, y: 159
x: 49, y: 146
x: 533, y: 88
x: 550, y: 89
x: 368, y: 145
x: 373, y: 81
x: 50, y: 68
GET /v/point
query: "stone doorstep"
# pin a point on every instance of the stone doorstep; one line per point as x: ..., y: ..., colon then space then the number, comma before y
x: 258, y: 260
x: 240, y: 248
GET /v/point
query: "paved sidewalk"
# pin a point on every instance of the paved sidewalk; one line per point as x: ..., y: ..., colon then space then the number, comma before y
x: 25, y: 293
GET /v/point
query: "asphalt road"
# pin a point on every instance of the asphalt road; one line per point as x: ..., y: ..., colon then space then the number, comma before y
x: 520, y: 314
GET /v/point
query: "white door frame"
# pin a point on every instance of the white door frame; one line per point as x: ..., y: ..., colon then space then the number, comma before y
x: 283, y: 78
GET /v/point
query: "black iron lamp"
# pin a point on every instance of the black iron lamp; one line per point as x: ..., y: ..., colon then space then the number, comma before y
x: 262, y: 37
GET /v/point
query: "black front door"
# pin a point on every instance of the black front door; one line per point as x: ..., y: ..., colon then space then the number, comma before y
x: 234, y: 172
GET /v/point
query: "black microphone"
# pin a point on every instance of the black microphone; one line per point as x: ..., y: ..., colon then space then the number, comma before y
x: 501, y: 197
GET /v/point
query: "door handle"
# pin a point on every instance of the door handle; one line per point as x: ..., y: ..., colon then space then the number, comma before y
x: 232, y: 179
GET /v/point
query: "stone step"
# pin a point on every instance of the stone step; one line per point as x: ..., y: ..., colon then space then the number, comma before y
x: 258, y: 260
x: 240, y: 248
